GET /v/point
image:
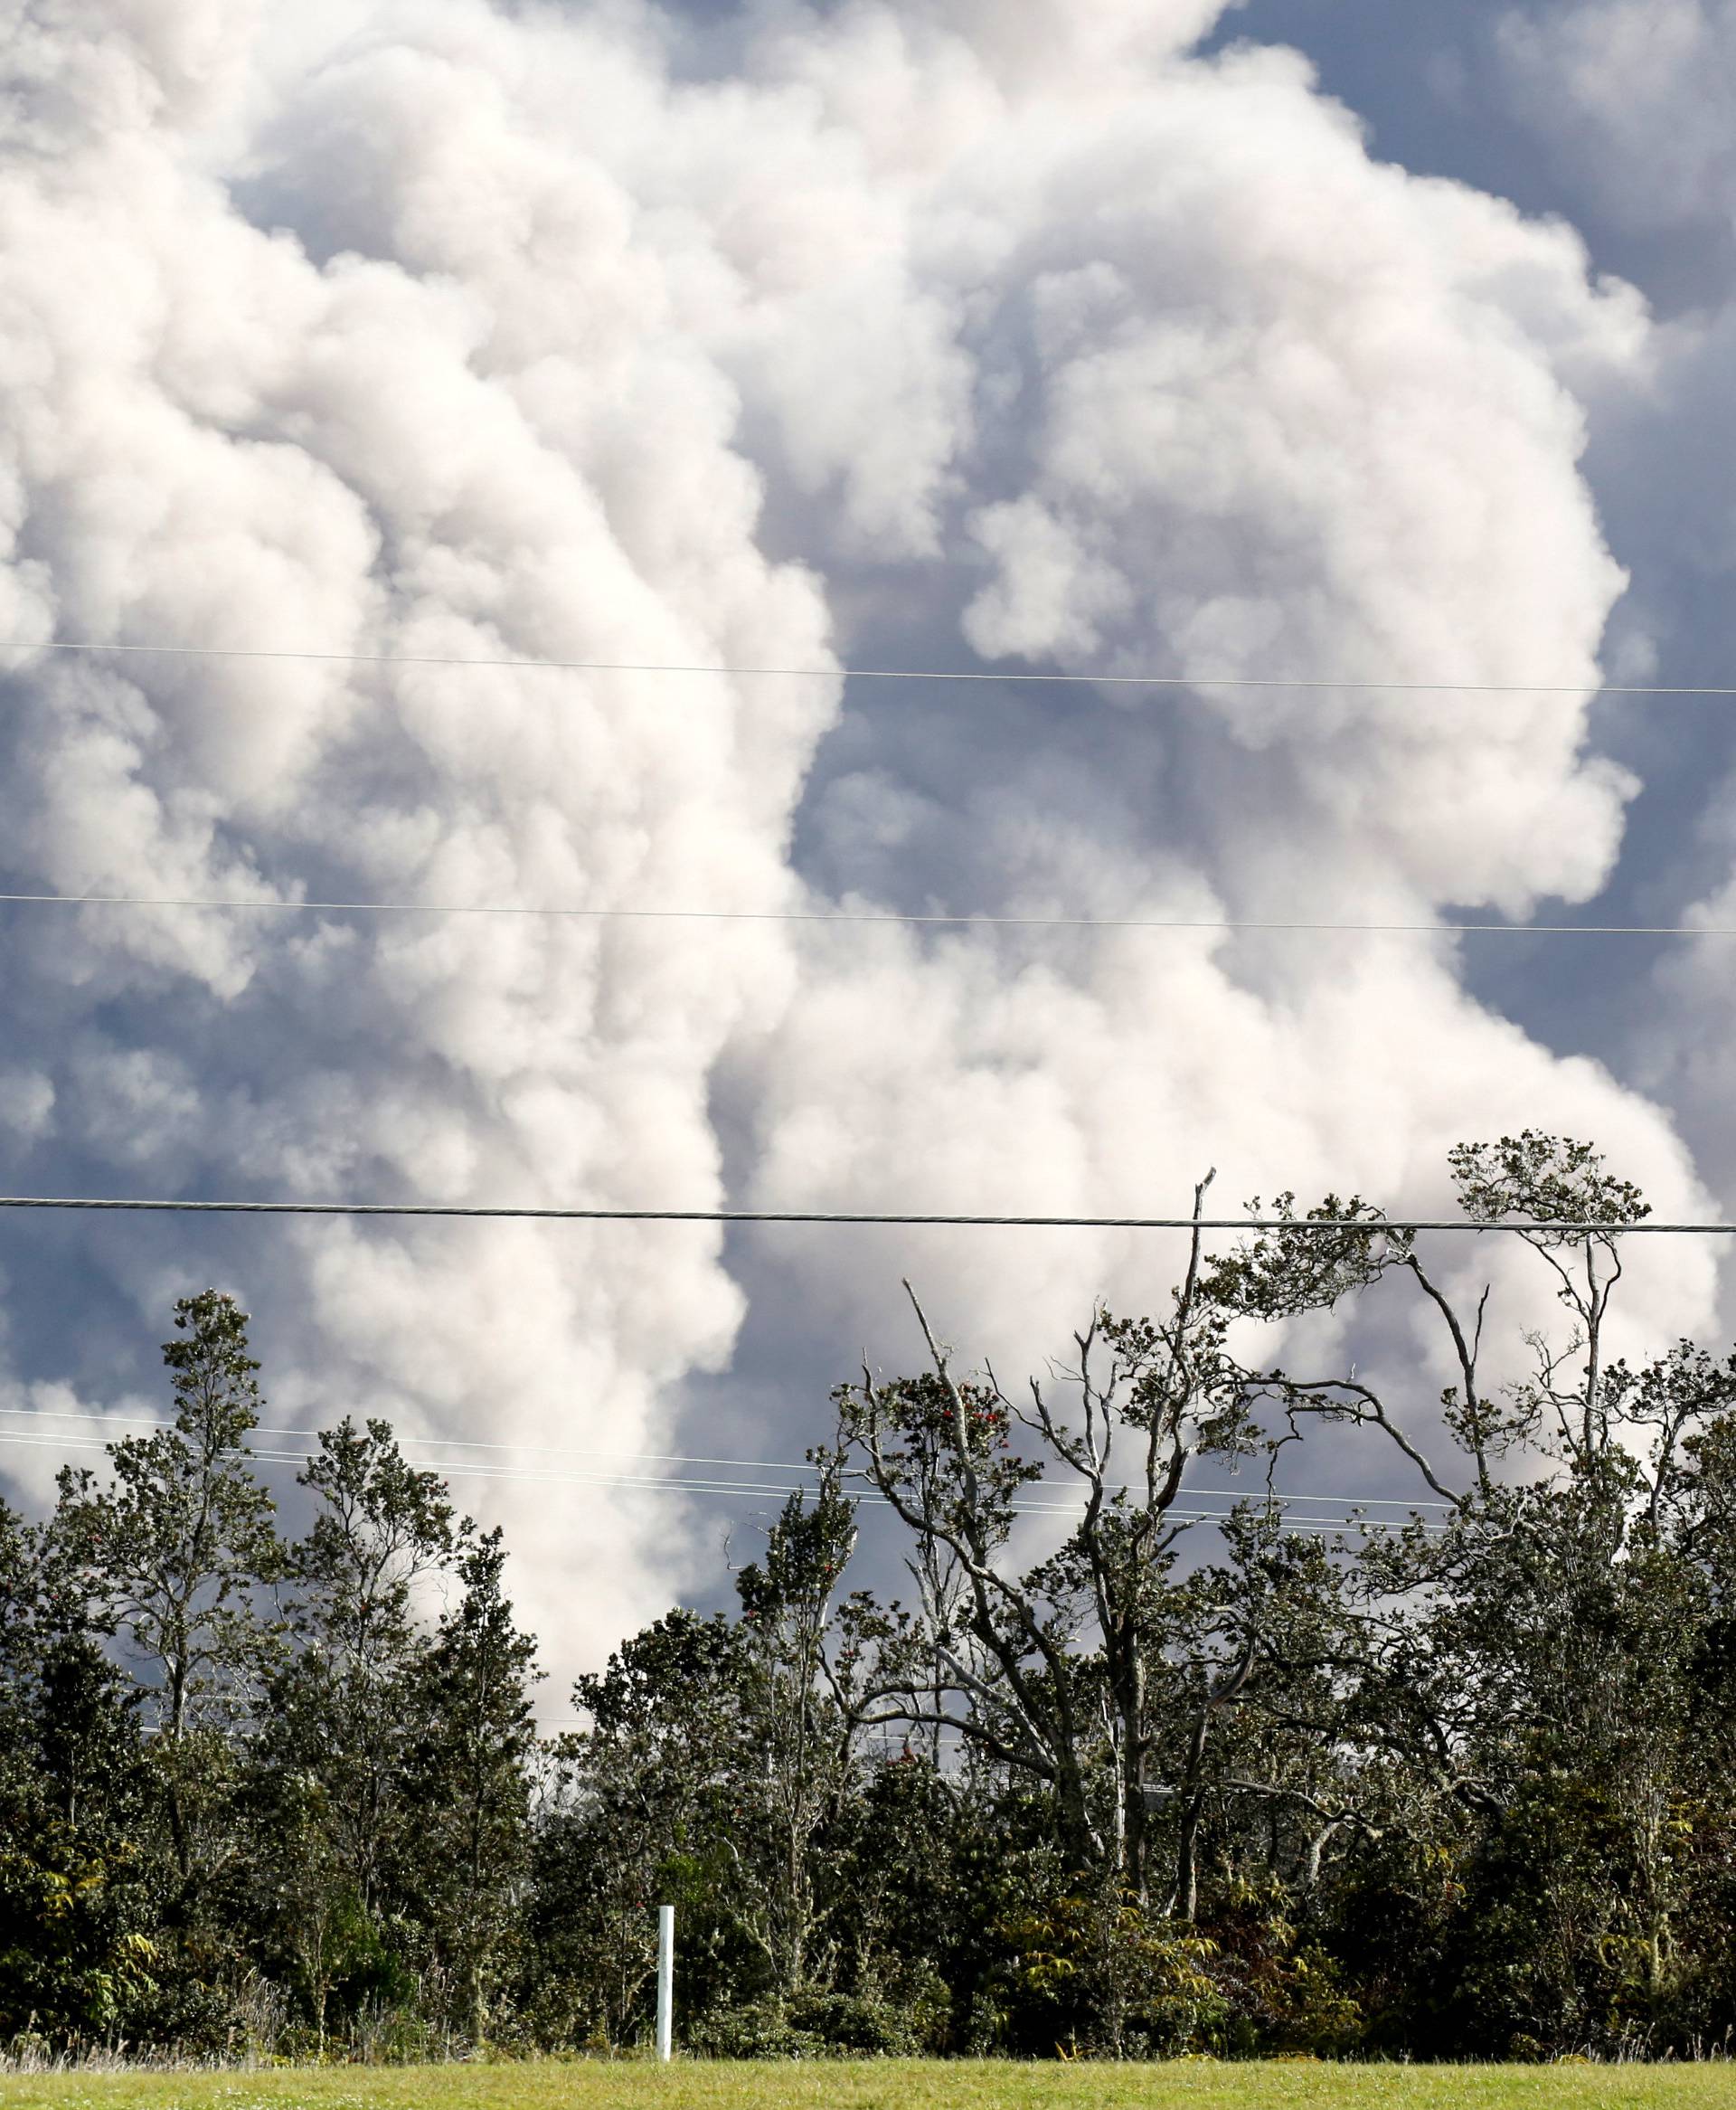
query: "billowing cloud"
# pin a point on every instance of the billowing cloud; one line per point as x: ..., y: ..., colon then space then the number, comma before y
x: 1635, y: 104
x: 1635, y: 95
x: 460, y: 417
x: 1247, y: 405
x: 428, y: 331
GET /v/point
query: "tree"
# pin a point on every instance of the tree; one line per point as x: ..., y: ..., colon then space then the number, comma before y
x: 180, y: 1547
x: 1054, y: 1672
x: 334, y: 1749
x: 79, y: 1891
x: 1525, y: 1697
x: 1120, y: 1777
x: 468, y: 1783
x: 801, y: 1722
x: 643, y: 1813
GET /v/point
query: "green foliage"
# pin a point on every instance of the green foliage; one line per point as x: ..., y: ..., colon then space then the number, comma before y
x: 1461, y: 1785
x: 178, y: 1548
x: 468, y: 1790
x: 329, y: 1802
x: 79, y: 1899
x: 808, y: 2025
x: 1542, y: 1178
x: 1095, y: 1971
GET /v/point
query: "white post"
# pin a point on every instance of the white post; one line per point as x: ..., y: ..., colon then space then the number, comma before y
x: 666, y: 1981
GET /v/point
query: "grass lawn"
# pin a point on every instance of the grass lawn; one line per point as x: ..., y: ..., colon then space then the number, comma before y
x: 892, y: 2085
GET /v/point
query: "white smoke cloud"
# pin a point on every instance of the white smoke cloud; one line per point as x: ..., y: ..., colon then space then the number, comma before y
x: 1251, y: 404
x: 431, y: 330
x: 1637, y: 104
x: 478, y: 430
x: 1636, y: 96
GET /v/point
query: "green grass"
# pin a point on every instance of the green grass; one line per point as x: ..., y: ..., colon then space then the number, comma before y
x: 892, y: 2084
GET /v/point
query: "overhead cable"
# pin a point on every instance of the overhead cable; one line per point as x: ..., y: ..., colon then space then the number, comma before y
x: 668, y: 1484
x: 1524, y: 1226
x: 1162, y: 681
x: 668, y: 1457
x: 969, y: 920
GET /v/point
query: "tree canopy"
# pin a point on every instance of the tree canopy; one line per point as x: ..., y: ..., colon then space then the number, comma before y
x: 1115, y: 1768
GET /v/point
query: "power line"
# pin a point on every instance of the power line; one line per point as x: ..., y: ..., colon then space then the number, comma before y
x: 964, y: 922
x: 667, y: 1485
x: 1163, y: 681
x: 1524, y: 1226
x: 673, y: 1457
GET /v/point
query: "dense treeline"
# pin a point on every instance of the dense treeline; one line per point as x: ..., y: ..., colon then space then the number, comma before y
x: 1108, y: 1781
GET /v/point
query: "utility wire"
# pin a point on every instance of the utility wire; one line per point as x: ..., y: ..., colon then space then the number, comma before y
x: 965, y: 922
x: 1524, y: 1226
x: 672, y: 1458
x: 1164, y: 681
x: 668, y: 1484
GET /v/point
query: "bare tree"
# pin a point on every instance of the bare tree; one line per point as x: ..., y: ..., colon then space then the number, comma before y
x: 1049, y: 1670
